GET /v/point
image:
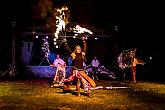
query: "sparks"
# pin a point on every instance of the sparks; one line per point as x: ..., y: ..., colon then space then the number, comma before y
x: 80, y: 30
x: 61, y: 21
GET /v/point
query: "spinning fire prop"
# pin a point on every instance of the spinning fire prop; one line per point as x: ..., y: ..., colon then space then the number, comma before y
x: 62, y: 20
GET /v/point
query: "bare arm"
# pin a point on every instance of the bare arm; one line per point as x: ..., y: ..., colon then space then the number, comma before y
x: 140, y: 62
x: 85, y: 44
x: 67, y: 47
x: 70, y: 51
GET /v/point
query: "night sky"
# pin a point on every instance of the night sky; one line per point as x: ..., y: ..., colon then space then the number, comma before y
x: 139, y: 22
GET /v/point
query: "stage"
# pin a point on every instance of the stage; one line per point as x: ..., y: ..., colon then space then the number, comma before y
x: 44, y: 71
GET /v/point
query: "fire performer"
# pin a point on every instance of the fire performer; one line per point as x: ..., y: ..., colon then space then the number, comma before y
x: 78, y: 73
x: 133, y: 67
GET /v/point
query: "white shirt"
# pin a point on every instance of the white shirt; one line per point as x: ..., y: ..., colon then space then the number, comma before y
x: 95, y: 63
x: 58, y: 61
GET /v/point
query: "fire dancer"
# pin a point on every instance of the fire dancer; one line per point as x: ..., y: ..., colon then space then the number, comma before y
x: 133, y: 65
x: 78, y: 73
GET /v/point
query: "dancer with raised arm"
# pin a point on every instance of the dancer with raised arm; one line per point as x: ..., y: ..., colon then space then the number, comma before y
x: 78, y: 73
x: 133, y: 67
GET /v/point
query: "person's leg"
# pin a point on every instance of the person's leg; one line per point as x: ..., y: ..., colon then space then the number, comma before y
x: 78, y: 87
x: 94, y: 73
x: 71, y: 77
x: 55, y: 81
x: 63, y: 74
x: 55, y: 76
x: 134, y: 74
x: 86, y: 85
x: 134, y: 77
x: 67, y: 81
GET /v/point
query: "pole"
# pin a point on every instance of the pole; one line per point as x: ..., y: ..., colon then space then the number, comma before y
x: 116, y: 31
x: 12, y: 67
x: 13, y: 42
x: 12, y: 71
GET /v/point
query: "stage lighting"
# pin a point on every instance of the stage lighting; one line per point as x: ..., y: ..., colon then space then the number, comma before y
x: 54, y: 39
x: 74, y: 37
x: 56, y: 46
x: 47, y: 37
x: 116, y: 28
x: 95, y: 38
x: 55, y: 43
x: 36, y: 36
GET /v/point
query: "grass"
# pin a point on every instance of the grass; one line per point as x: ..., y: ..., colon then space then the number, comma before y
x: 36, y: 94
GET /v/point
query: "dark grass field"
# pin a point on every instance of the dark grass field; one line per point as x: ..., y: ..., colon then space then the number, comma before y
x: 36, y: 94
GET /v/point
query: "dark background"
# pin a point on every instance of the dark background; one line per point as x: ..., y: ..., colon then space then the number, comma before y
x: 139, y: 23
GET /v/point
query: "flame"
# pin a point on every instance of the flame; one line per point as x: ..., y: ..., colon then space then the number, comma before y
x: 62, y: 16
x: 61, y: 20
x: 80, y: 30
